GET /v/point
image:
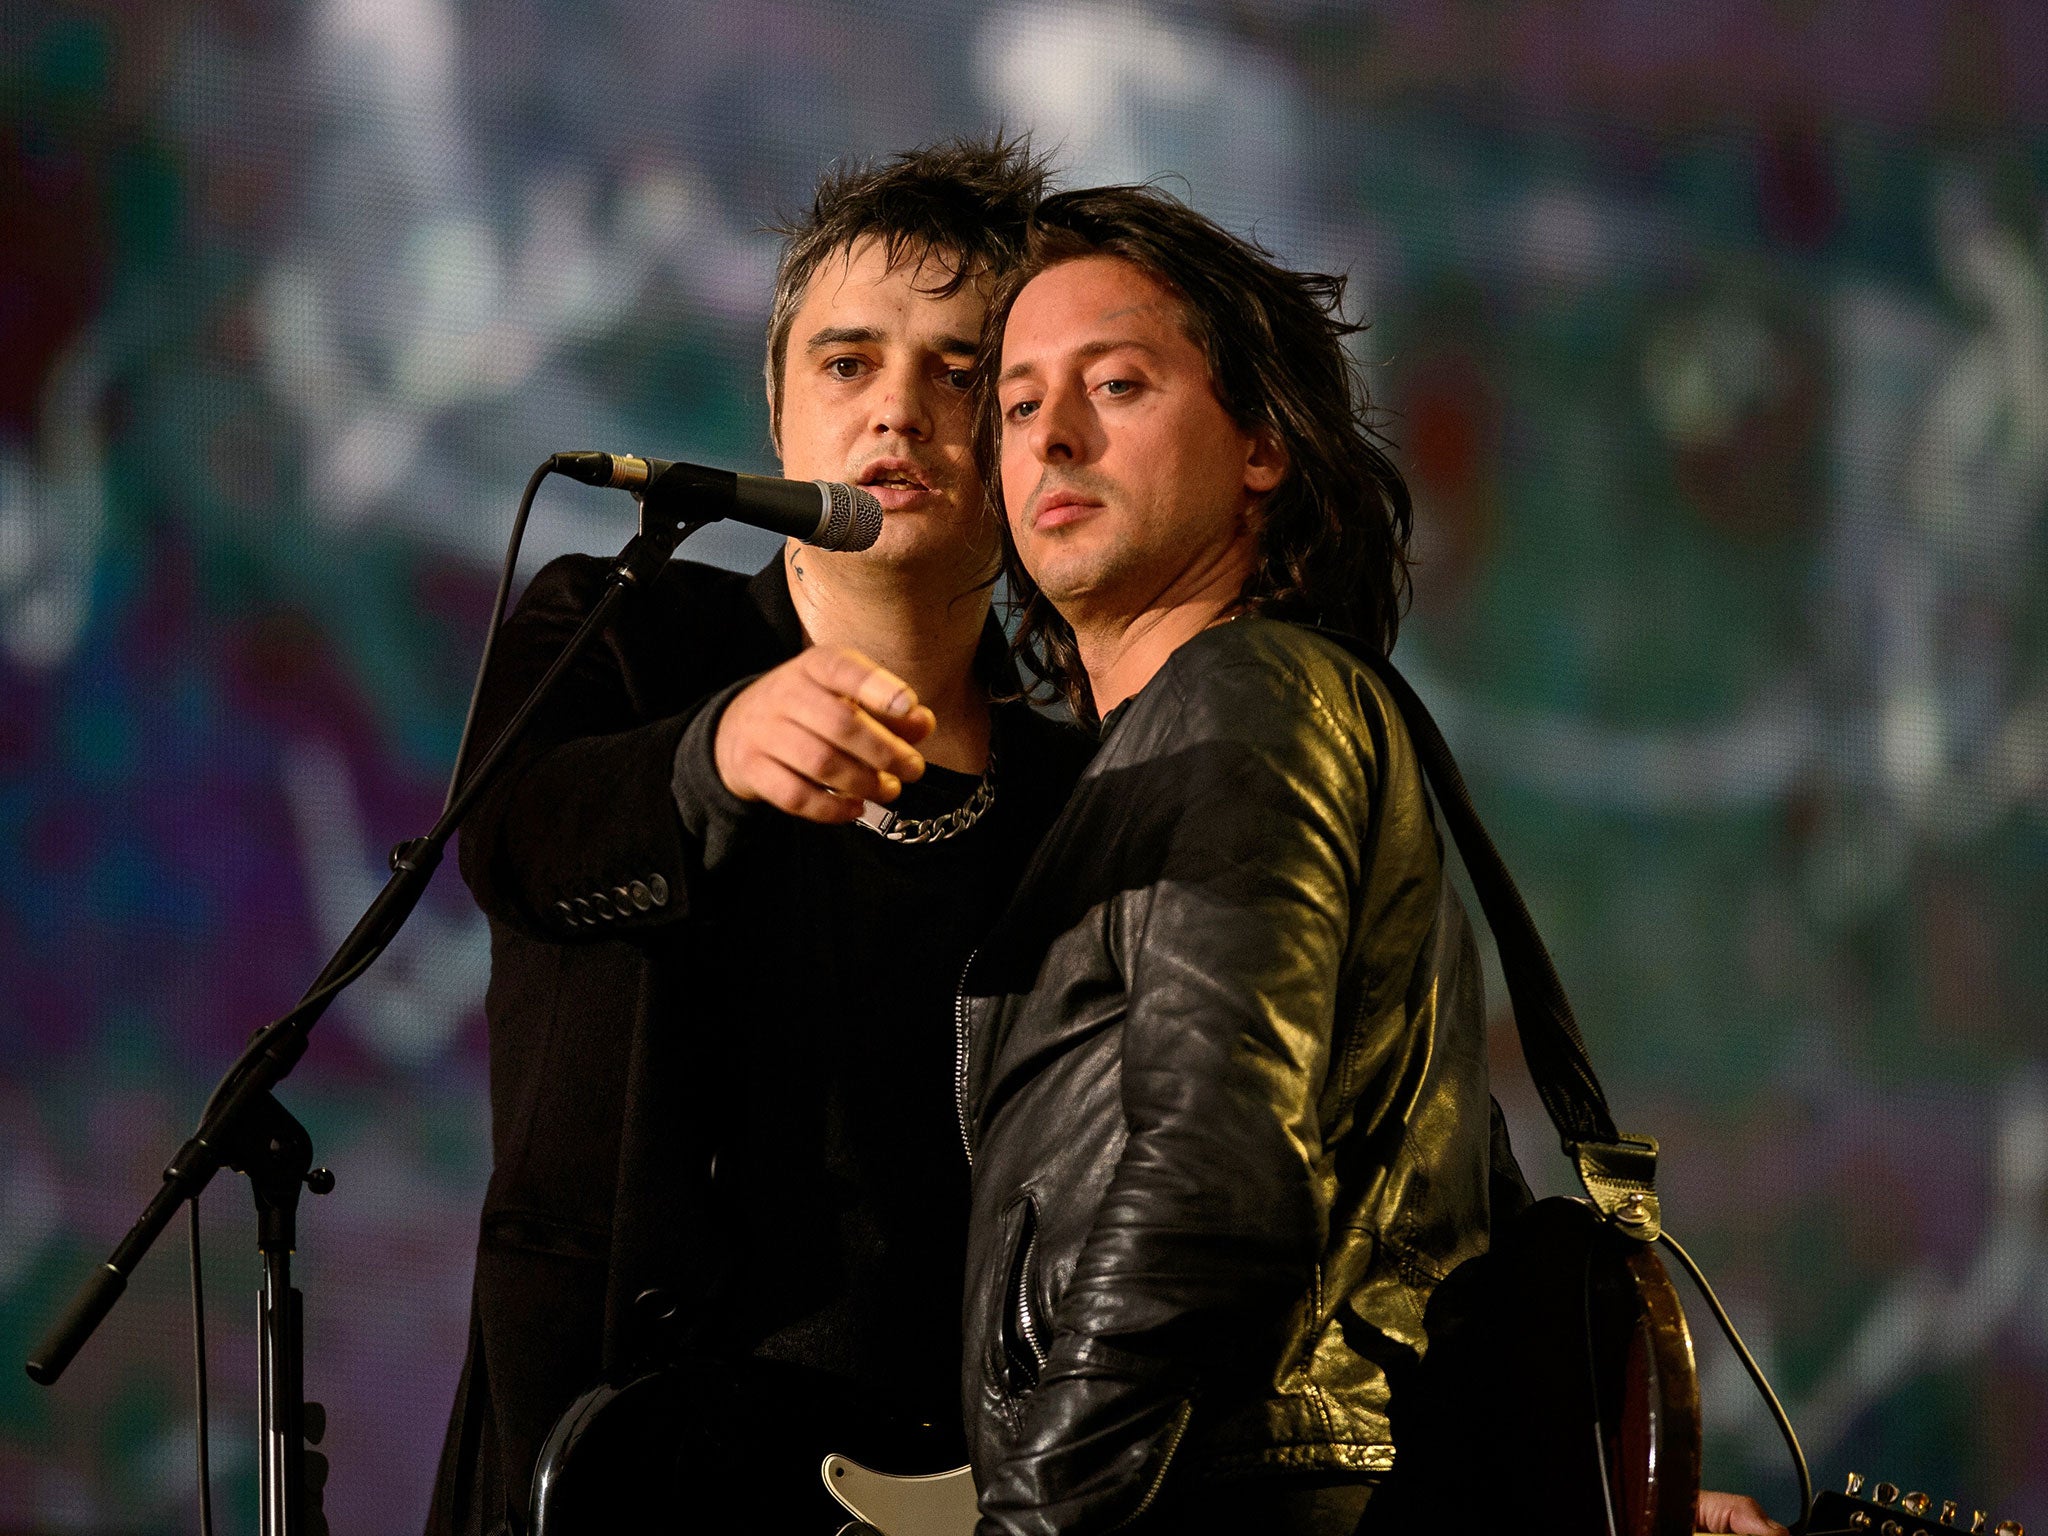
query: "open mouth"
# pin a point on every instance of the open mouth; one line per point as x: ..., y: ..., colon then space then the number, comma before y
x: 895, y: 483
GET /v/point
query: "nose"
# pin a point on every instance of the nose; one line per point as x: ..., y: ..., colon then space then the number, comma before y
x: 1056, y: 432
x: 903, y: 405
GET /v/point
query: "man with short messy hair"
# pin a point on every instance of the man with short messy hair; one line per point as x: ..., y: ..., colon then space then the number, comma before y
x: 721, y: 1012
x: 1225, y: 1086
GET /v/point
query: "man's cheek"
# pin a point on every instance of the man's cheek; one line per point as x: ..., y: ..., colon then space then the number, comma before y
x: 1017, y: 485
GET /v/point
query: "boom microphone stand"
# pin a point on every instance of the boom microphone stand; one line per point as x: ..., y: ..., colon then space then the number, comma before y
x: 246, y: 1129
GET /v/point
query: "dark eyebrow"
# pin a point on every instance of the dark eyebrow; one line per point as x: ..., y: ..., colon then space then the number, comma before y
x: 843, y: 336
x: 1091, y: 350
x: 867, y: 335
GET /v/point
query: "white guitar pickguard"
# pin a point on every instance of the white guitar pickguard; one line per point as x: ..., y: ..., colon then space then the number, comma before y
x: 940, y: 1504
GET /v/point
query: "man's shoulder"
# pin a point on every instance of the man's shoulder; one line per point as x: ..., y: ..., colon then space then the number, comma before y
x: 1256, y: 670
x: 692, y: 630
x: 577, y: 580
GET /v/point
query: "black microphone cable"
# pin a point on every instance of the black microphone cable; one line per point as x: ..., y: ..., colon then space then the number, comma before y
x: 199, y: 1372
x: 498, y: 603
x: 560, y: 463
x: 323, y: 995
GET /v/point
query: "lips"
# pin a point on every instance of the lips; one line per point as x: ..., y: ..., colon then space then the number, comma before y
x: 896, y: 483
x: 1061, y: 508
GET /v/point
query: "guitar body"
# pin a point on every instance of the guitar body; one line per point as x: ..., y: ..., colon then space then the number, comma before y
x: 744, y: 1446
x: 940, y: 1504
x: 1559, y: 1392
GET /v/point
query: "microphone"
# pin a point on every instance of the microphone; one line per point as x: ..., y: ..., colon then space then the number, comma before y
x: 821, y: 512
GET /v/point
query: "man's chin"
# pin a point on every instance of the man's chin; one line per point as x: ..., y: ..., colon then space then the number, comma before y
x: 1073, y: 597
x: 1067, y: 574
x: 917, y: 544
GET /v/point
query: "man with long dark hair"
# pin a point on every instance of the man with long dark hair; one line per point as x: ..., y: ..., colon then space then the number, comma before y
x: 1225, y: 1082
x: 721, y: 1015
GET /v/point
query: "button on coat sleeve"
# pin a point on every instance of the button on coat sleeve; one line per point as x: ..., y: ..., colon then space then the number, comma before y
x: 582, y: 837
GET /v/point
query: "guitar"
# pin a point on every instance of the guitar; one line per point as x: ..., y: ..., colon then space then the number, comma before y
x: 749, y: 1445
x: 1888, y: 1512
x: 1559, y: 1391
x: 944, y: 1506
x: 1565, y: 1400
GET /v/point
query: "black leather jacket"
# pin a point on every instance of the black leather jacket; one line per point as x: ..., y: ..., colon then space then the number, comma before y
x: 1224, y: 1085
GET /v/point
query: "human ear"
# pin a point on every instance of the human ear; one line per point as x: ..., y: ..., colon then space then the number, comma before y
x: 1265, y: 461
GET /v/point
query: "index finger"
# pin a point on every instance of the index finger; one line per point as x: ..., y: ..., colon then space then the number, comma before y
x: 870, y: 685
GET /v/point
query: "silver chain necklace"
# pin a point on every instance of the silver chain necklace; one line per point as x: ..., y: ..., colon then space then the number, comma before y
x: 884, y: 822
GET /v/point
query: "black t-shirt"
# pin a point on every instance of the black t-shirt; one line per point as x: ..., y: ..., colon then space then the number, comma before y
x: 841, y: 1168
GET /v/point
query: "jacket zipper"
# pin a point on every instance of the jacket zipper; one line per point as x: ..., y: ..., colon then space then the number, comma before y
x: 1173, y: 1439
x: 1027, y: 1326
x: 960, y: 1055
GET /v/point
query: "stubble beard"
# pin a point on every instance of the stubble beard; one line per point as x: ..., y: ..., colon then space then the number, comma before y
x: 1081, y: 582
x: 948, y: 550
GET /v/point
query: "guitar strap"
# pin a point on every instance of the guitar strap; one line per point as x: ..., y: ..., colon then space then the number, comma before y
x: 1618, y: 1170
